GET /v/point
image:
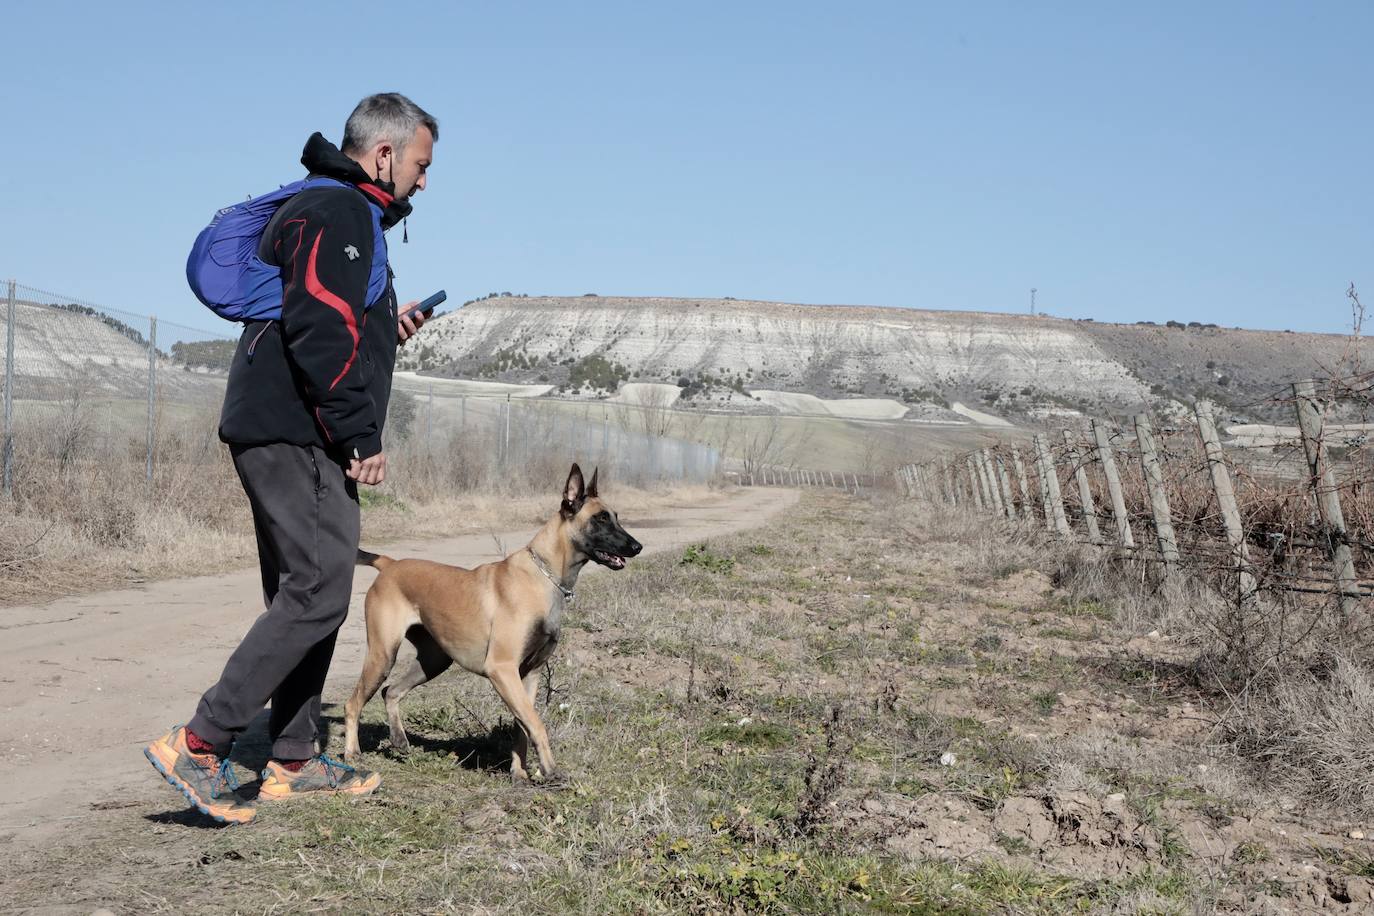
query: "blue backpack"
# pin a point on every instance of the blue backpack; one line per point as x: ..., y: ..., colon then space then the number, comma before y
x: 224, y: 269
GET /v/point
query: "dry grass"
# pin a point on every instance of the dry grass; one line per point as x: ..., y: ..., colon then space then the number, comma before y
x: 755, y: 724
x: 1291, y: 685
x: 84, y: 516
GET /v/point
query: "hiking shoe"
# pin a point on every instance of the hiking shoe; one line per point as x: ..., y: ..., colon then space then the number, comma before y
x: 321, y: 775
x: 207, y: 781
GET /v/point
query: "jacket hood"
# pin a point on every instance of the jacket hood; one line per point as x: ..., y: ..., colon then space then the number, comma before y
x: 320, y: 157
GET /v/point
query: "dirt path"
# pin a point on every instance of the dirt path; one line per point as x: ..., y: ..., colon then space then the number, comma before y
x: 87, y: 681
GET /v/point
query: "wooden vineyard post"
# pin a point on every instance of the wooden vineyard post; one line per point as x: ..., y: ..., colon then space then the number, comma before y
x: 1085, y: 493
x: 1323, y: 480
x: 1104, y: 454
x: 1046, y: 513
x: 1050, y: 481
x: 1226, y: 499
x: 973, y: 482
x: 1027, y: 504
x: 1159, y: 500
x: 1003, y: 478
x: 990, y: 475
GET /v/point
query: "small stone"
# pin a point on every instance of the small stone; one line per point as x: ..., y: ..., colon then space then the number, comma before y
x: 1117, y: 797
x: 1356, y: 834
x: 564, y: 707
x: 1153, y: 634
x: 1202, y: 768
x: 743, y: 722
x: 947, y: 759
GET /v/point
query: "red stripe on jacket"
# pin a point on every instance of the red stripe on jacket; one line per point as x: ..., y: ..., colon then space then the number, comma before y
x: 315, y: 288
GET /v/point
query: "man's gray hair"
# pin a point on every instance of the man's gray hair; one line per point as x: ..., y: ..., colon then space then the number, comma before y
x: 386, y: 116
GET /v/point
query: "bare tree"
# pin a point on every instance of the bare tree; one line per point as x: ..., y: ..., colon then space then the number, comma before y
x: 656, y: 410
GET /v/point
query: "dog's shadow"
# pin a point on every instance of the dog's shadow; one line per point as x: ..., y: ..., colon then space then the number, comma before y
x: 487, y: 753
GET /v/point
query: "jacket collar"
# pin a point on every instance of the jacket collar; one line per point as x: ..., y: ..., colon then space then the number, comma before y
x: 320, y: 157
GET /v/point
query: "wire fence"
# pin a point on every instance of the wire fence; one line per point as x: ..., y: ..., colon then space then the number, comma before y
x: 89, y: 384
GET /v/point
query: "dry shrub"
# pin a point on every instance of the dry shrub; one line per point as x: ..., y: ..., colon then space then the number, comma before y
x: 1310, y: 732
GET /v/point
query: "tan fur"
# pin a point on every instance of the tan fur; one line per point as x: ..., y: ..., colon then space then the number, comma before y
x: 500, y: 620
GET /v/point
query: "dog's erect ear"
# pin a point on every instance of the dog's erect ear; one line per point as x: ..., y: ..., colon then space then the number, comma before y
x: 591, y: 487
x: 574, y: 492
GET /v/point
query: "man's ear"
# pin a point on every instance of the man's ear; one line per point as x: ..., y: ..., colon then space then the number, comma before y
x: 574, y: 493
x: 385, y: 160
x: 591, y: 487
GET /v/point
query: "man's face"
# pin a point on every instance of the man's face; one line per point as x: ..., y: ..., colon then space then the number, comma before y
x: 408, y: 168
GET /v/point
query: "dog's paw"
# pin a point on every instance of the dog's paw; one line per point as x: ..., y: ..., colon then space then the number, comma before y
x: 520, y: 779
x: 557, y: 781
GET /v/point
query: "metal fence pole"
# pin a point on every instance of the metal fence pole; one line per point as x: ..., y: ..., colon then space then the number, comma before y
x: 8, y: 456
x: 505, y: 448
x: 152, y: 393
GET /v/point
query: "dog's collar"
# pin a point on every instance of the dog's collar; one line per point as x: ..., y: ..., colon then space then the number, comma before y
x: 548, y: 574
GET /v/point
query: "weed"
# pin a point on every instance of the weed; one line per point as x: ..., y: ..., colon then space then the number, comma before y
x: 700, y: 555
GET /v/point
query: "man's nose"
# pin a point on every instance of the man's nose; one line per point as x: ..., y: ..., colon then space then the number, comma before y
x: 420, y: 185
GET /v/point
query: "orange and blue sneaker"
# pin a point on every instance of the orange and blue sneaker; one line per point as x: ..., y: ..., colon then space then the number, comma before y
x: 207, y: 780
x: 322, y: 775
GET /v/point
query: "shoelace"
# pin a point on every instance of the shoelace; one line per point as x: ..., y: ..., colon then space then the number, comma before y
x: 330, y: 765
x: 223, y: 775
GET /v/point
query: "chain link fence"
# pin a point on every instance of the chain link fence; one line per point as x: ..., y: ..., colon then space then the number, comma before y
x: 88, y: 383
x: 82, y: 380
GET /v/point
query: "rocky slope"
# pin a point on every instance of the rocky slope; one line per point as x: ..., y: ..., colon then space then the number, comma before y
x: 1008, y: 364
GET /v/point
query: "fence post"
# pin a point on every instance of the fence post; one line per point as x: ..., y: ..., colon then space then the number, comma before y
x: 152, y: 393
x: 429, y: 422
x: 1085, y: 493
x: 1004, y: 481
x: 1050, y: 478
x: 985, y: 466
x: 973, y: 481
x: 1226, y: 498
x: 1159, y: 500
x: 1104, y: 454
x: 505, y: 447
x: 1027, y: 504
x: 7, y: 457
x: 1323, y: 479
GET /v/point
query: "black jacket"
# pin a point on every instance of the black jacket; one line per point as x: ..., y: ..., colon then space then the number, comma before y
x: 322, y: 374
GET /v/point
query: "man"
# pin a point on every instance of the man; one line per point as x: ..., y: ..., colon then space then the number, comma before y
x: 303, y: 416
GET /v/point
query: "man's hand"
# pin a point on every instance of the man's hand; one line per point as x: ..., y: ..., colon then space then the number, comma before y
x: 370, y: 471
x: 407, y: 326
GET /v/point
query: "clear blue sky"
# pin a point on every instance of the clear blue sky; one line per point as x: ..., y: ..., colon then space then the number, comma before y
x: 1196, y: 161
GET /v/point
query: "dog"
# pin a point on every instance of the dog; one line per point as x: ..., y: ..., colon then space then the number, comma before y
x: 500, y: 620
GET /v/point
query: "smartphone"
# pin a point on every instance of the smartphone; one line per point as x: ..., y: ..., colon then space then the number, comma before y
x: 428, y: 305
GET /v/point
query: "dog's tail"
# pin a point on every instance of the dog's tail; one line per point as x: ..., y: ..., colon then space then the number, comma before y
x: 375, y: 560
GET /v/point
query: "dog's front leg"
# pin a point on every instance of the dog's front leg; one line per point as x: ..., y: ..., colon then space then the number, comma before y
x: 519, y: 758
x: 519, y: 698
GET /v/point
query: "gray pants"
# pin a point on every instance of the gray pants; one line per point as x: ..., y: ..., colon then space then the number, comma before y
x: 306, y: 515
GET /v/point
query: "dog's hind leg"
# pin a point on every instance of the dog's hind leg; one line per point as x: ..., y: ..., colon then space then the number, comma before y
x: 387, y: 623
x: 430, y: 662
